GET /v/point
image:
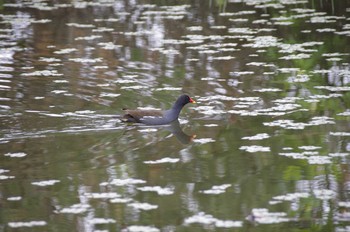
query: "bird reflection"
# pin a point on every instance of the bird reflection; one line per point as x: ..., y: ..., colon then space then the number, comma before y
x: 176, y: 130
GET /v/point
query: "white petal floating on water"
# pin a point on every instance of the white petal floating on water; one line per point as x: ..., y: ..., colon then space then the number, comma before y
x: 200, y: 218
x: 268, y: 90
x: 346, y: 113
x: 223, y: 58
x: 290, y: 124
x: 140, y: 229
x: 168, y: 89
x: 100, y: 67
x: 263, y: 216
x: 339, y: 133
x: 241, y: 30
x: 60, y: 81
x: 334, y: 88
x: 258, y: 64
x: 107, y: 195
x: 58, y: 92
x: 79, y: 25
x: 323, y: 19
x: 334, y: 59
x: 88, y: 38
x: 217, y: 189
x: 16, y: 198
x: 5, y: 87
x: 334, y: 54
x: 159, y: 190
x: 241, y: 106
x: 281, y: 107
x: 241, y: 73
x: 4, y: 177
x: 291, y: 196
x: 340, y: 154
x: 3, y: 170
x: 163, y: 160
x: 134, y: 87
x: 27, y: 224
x: 86, y: 60
x: 16, y: 155
x: 309, y: 148
x: 257, y: 137
x: 263, y: 42
x: 45, y: 73
x: 123, y: 81
x: 211, y: 125
x: 303, y: 10
x: 260, y: 21
x: 195, y: 28
x: 319, y: 96
x: 65, y: 51
x: 203, y: 140
x: 123, y: 182
x: 249, y: 99
x: 243, y: 12
x: 113, y: 95
x: 75, y: 209
x: 325, y: 30
x: 107, y: 20
x: 240, y: 20
x: 44, y: 183
x: 286, y: 23
x: 255, y: 148
x: 322, y: 120
x: 208, y: 51
x: 143, y: 206
x: 102, y: 29
x: 296, y: 57
x: 293, y: 155
x: 41, y: 21
x: 228, y: 50
x: 96, y: 221
x: 49, y: 59
x: 109, y: 45
x: 218, y: 27
x: 288, y: 70
x: 311, y: 153
x: 206, y: 219
x: 319, y: 159
x: 120, y: 200
x: 228, y: 223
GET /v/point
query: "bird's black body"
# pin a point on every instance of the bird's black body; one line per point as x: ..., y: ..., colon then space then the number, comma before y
x: 157, y: 117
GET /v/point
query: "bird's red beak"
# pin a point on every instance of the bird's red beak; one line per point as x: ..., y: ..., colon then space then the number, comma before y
x: 192, y: 101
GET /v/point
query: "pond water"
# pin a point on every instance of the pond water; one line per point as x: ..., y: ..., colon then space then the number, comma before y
x: 266, y: 147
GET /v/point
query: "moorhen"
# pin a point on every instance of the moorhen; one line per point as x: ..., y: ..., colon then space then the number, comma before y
x: 157, y: 117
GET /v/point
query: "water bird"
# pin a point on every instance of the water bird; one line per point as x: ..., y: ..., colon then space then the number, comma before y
x: 157, y: 117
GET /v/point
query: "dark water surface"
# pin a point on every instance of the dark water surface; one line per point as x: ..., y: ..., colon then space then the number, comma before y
x: 266, y: 147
